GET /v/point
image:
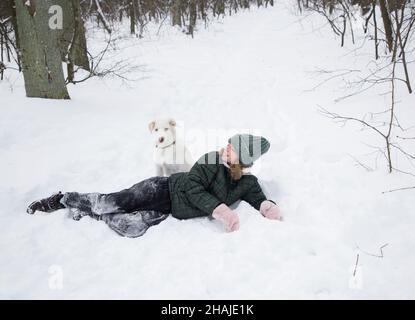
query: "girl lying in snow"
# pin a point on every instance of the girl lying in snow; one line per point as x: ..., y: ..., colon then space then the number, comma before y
x: 215, y: 181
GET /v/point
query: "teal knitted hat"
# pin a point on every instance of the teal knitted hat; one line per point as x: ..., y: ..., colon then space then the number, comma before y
x: 248, y: 147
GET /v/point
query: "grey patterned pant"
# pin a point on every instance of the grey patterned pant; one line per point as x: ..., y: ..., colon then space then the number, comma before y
x: 129, y: 212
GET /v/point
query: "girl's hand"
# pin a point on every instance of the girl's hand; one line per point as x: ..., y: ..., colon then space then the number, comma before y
x: 229, y: 218
x: 270, y: 210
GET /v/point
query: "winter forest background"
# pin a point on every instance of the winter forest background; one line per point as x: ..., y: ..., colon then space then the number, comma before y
x: 328, y: 82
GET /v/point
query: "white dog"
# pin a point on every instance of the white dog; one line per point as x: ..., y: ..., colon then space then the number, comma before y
x: 170, y: 154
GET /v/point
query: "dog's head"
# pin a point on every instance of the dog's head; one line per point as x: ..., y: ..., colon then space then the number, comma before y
x: 163, y: 131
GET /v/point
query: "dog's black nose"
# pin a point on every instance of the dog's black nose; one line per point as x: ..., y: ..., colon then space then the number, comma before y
x: 161, y: 139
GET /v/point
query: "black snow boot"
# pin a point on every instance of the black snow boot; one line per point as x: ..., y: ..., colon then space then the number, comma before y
x: 46, y: 205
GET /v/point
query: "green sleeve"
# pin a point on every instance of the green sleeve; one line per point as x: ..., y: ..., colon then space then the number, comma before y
x: 255, y: 196
x: 198, y: 180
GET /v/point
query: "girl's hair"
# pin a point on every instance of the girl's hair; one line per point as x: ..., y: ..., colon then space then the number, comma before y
x: 235, y: 170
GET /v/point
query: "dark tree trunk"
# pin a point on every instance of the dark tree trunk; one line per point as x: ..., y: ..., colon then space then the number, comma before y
x: 78, y: 53
x: 132, y: 7
x: 39, y: 49
x: 176, y: 13
x: 387, y: 24
x: 192, y: 16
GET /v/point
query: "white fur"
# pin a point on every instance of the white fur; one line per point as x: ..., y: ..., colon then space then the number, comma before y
x: 170, y: 153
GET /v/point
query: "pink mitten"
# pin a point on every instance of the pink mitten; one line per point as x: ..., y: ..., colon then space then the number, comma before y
x: 270, y: 210
x: 229, y: 219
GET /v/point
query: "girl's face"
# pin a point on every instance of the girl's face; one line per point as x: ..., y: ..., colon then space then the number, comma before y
x: 230, y: 156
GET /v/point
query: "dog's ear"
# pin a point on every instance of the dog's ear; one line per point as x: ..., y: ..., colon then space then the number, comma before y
x: 151, y: 126
x: 172, y: 122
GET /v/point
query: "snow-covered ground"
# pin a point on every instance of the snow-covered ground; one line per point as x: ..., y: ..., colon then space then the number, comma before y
x: 248, y: 71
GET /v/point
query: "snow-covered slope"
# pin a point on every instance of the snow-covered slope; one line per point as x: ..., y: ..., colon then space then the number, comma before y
x: 249, y: 71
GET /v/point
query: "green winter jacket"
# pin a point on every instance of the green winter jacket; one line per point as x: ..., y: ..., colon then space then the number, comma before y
x: 208, y: 184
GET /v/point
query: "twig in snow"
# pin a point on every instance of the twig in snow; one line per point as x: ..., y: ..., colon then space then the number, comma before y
x: 375, y: 255
x: 359, y: 163
x: 399, y: 189
x: 406, y: 138
x: 333, y: 75
x: 355, y: 266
